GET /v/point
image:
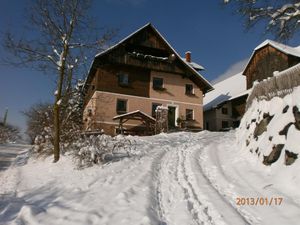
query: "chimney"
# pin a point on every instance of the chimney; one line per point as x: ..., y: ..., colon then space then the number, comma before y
x: 188, y: 56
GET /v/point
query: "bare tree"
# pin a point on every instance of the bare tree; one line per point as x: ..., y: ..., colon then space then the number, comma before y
x: 280, y: 18
x: 61, y: 37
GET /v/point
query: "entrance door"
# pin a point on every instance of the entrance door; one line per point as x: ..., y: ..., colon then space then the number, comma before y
x: 171, y: 116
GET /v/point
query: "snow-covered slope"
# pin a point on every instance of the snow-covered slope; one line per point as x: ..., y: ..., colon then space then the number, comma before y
x: 180, y: 178
x: 224, y: 90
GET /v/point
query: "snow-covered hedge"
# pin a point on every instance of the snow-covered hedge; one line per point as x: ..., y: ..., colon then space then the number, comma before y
x: 270, y: 130
x: 91, y: 150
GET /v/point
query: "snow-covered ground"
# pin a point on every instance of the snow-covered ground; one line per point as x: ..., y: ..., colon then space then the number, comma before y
x: 180, y: 178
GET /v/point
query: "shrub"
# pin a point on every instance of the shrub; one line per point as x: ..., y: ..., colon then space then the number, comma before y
x: 90, y: 150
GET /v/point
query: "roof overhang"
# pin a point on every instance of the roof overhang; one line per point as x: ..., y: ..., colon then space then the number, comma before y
x: 197, y: 77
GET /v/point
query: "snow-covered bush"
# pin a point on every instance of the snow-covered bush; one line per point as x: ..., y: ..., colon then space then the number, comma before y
x: 39, y: 121
x: 42, y: 144
x: 8, y: 133
x: 92, y: 149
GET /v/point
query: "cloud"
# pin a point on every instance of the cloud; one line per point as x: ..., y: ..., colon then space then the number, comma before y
x: 232, y: 70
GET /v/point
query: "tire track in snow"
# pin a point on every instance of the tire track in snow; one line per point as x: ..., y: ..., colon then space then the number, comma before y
x: 195, y: 206
x: 158, y: 193
x: 179, y: 180
x: 233, y: 214
x: 170, y: 200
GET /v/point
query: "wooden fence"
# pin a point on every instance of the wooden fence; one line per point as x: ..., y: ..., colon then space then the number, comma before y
x: 281, y: 84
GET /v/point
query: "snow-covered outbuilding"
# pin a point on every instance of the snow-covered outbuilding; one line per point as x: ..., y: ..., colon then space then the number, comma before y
x: 225, y: 105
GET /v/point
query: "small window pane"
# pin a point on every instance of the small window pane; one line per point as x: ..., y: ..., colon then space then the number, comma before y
x: 123, y: 79
x: 189, y: 89
x: 158, y: 83
x: 121, y: 106
x: 189, y: 114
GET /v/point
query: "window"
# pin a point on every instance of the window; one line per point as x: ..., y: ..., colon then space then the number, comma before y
x: 224, y: 111
x: 154, y: 106
x: 121, y: 106
x: 189, y: 114
x: 123, y: 79
x: 225, y: 124
x: 158, y: 83
x: 189, y: 89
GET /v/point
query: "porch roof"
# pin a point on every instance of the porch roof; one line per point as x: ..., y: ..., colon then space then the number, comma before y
x: 135, y: 115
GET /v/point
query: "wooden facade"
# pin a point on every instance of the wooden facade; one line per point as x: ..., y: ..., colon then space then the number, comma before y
x: 142, y: 57
x: 265, y: 61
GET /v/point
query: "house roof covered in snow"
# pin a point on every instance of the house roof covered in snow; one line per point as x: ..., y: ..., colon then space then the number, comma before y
x: 191, y: 67
x: 228, y: 89
x: 288, y: 50
x: 196, y: 66
x: 295, y: 51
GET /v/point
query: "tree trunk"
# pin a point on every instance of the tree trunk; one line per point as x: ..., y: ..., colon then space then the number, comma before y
x: 56, y: 109
x: 56, y: 150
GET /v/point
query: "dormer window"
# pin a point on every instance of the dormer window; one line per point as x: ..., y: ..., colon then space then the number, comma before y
x: 158, y: 83
x: 189, y: 89
x: 123, y: 79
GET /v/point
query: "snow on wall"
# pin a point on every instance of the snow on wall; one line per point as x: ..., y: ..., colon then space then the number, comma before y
x: 270, y: 130
x: 281, y: 84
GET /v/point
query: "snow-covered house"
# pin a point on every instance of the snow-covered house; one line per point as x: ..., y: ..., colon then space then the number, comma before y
x: 225, y: 105
x: 135, y: 76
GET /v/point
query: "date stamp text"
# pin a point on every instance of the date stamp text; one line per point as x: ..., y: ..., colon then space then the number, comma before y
x: 259, y: 201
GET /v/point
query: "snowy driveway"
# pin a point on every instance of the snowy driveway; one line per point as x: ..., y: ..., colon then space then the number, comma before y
x: 182, y: 178
x: 8, y: 153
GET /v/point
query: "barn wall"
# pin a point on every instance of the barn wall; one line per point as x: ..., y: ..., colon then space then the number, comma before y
x: 264, y: 62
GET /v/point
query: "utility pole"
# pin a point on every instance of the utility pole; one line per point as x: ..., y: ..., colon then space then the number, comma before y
x: 5, y: 117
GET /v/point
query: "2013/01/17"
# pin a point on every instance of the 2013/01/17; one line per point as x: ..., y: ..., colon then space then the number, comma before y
x: 259, y: 201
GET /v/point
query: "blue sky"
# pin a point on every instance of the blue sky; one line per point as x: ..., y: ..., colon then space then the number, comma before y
x: 210, y: 31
